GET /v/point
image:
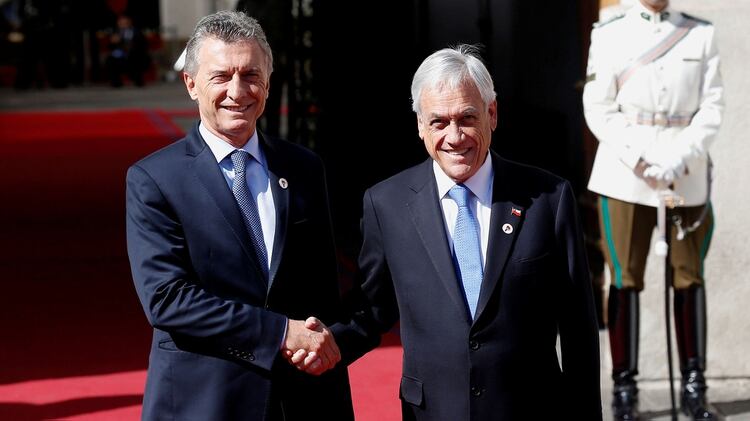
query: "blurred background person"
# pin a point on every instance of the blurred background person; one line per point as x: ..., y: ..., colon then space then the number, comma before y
x: 128, y: 53
x: 44, y: 58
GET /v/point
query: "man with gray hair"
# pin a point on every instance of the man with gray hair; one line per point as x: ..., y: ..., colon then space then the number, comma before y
x: 231, y: 248
x: 481, y: 260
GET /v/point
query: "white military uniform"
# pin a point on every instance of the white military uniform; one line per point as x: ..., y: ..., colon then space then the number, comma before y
x: 673, y: 102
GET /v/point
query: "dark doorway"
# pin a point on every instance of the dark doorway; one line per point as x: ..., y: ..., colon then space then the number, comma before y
x: 347, y: 69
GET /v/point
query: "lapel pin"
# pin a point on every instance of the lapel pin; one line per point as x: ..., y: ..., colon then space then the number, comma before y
x: 515, y: 212
x: 283, y: 183
x: 507, y: 228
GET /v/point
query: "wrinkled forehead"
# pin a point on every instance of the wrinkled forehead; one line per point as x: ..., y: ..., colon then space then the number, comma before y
x: 445, y: 93
x: 241, y: 54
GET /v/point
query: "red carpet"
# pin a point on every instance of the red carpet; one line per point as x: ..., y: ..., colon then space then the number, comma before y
x: 75, y: 341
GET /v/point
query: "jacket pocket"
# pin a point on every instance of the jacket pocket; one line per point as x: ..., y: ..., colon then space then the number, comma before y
x: 168, y: 345
x: 530, y: 265
x: 411, y: 391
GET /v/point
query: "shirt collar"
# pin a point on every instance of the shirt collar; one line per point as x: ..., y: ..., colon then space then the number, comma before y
x: 480, y: 183
x: 221, y: 149
x: 644, y: 15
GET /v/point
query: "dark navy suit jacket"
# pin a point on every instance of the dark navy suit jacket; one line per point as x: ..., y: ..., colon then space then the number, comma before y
x: 503, y: 365
x: 218, y: 325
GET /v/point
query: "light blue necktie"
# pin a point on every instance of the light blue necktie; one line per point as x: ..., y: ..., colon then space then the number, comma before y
x: 249, y: 207
x: 467, y: 247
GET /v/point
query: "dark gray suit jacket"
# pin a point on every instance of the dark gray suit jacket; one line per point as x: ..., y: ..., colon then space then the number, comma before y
x: 503, y: 365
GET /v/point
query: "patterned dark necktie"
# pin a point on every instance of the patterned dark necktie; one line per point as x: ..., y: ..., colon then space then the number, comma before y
x: 240, y: 160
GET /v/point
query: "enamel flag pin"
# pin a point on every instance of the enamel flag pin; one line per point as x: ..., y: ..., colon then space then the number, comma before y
x: 515, y: 212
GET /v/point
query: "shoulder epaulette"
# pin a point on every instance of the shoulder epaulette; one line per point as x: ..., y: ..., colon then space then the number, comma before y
x: 691, y: 17
x: 610, y: 20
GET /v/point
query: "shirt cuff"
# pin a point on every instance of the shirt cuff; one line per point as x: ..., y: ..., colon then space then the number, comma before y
x: 283, y: 337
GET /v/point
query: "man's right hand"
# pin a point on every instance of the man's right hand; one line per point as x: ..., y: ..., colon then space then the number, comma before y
x: 660, y: 175
x: 653, y: 175
x: 310, y: 346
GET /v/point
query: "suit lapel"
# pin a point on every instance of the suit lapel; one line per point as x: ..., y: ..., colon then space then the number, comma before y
x: 505, y: 221
x: 277, y: 170
x: 428, y: 219
x: 208, y: 173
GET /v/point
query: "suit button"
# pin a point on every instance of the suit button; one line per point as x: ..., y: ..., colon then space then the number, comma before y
x: 474, y: 345
x: 250, y: 357
x: 476, y: 391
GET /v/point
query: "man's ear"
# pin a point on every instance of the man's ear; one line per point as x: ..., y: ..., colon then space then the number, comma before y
x: 190, y: 85
x: 493, y: 114
x: 420, y: 126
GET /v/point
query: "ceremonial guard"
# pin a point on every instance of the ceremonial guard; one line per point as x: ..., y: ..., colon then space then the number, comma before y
x: 653, y: 99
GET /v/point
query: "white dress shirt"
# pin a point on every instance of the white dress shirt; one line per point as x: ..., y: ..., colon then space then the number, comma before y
x: 480, y: 201
x: 256, y: 177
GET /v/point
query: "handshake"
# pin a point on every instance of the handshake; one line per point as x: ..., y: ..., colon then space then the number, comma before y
x: 310, y: 346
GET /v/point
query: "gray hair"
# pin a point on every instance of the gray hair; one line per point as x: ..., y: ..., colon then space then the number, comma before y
x: 227, y: 26
x: 450, y: 68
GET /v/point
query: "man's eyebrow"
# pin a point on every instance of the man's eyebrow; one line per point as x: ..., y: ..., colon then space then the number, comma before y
x: 463, y: 113
x: 250, y: 70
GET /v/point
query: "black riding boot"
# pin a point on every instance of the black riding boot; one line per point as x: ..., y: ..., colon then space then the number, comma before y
x: 690, y: 329
x: 623, y: 342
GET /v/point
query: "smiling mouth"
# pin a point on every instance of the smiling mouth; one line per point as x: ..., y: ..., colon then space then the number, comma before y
x: 457, y: 152
x: 236, y: 108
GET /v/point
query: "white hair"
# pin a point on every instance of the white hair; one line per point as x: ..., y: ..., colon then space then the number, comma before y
x: 450, y: 68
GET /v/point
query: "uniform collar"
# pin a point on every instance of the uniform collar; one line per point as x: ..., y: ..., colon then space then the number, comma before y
x: 644, y: 15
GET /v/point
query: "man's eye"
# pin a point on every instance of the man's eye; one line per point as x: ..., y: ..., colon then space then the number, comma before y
x: 438, y: 124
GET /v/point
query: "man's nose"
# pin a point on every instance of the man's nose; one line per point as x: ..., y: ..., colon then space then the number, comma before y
x: 454, y: 133
x: 236, y: 88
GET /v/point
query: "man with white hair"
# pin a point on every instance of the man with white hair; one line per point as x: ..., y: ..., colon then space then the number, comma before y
x: 481, y: 260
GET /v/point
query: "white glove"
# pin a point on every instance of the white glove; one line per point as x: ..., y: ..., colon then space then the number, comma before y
x: 668, y: 157
x: 672, y: 164
x: 660, y: 174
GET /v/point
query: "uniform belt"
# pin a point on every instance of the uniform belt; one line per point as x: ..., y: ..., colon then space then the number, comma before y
x: 657, y: 119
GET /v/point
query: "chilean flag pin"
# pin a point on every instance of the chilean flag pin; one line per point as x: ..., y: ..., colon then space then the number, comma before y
x: 515, y: 212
